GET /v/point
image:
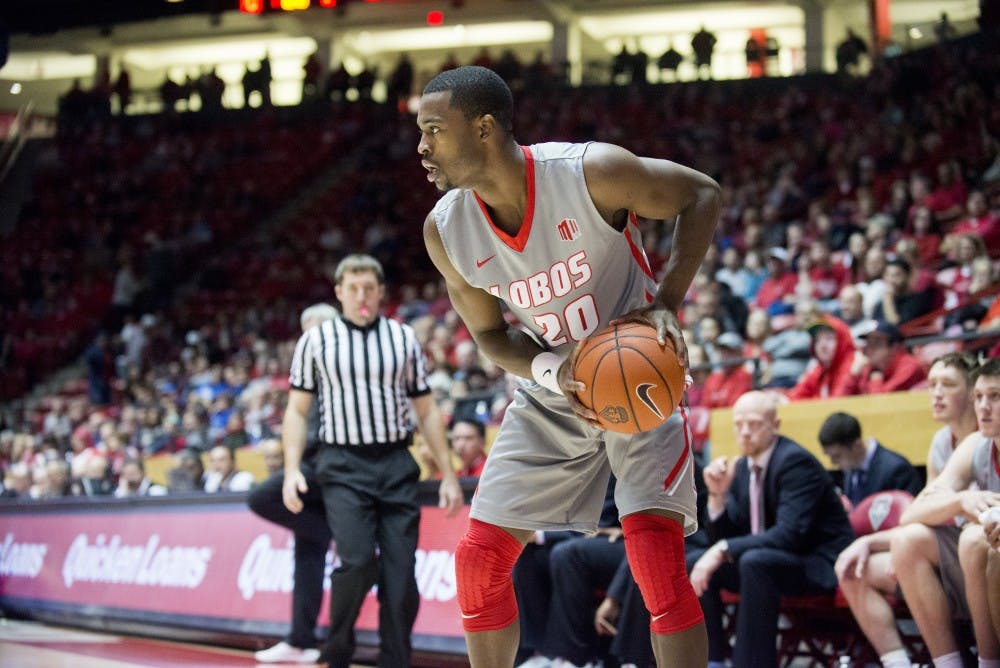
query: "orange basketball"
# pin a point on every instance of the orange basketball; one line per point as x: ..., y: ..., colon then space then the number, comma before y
x: 632, y: 383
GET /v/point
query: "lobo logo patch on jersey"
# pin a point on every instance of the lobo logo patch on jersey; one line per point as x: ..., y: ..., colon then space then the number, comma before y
x: 568, y: 229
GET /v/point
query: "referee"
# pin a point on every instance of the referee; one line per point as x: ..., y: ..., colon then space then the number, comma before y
x: 367, y: 373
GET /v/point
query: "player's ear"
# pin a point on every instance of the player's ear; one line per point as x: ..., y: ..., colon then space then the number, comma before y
x: 487, y: 125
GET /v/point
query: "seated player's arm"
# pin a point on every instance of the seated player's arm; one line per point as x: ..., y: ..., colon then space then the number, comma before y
x: 942, y: 499
x: 510, y: 348
x: 619, y: 180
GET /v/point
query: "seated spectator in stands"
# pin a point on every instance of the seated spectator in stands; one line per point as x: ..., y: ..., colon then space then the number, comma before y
x: 188, y: 473
x: 733, y: 273
x: 778, y: 289
x: 864, y: 569
x: 870, y: 282
x: 825, y: 277
x: 757, y: 274
x: 899, y: 303
x: 223, y: 475
x: 57, y: 479
x: 194, y: 428
x: 468, y: 440
x: 947, y: 199
x: 955, y: 279
x: 789, y: 354
x: 849, y: 306
x: 867, y: 465
x: 729, y: 379
x: 16, y: 481
x: 966, y: 318
x: 707, y: 332
x: 554, y: 581
x: 778, y: 524
x: 133, y: 481
x: 941, y: 565
x: 273, y: 455
x: 924, y: 237
x: 94, y: 478
x: 698, y: 369
x: 979, y: 220
x: 922, y: 279
x: 883, y: 363
x: 833, y: 354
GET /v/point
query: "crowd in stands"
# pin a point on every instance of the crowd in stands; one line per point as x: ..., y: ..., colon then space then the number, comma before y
x: 147, y: 246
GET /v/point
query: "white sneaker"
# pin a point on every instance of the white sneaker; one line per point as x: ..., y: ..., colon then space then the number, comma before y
x: 563, y: 663
x: 537, y: 661
x: 285, y: 653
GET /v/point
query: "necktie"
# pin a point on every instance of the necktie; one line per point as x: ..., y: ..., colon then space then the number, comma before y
x: 856, y: 493
x: 756, y: 484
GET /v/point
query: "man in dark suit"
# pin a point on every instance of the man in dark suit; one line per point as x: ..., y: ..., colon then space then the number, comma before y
x: 778, y: 526
x: 867, y: 465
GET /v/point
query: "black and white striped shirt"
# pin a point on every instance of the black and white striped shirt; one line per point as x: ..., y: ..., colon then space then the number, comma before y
x: 363, y: 378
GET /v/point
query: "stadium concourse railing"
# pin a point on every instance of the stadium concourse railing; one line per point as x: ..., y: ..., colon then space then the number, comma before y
x: 199, y: 568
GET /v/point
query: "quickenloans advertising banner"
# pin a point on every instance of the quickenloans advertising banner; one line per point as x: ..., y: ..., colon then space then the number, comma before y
x: 212, y: 566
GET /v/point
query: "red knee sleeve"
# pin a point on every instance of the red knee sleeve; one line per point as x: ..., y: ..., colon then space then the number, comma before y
x: 655, y: 549
x: 484, y: 560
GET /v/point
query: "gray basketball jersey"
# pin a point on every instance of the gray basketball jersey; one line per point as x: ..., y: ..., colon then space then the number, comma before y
x: 942, y: 445
x: 566, y: 273
x: 985, y: 465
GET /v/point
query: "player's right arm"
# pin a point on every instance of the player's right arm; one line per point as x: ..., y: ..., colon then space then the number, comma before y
x: 510, y: 348
x: 293, y: 441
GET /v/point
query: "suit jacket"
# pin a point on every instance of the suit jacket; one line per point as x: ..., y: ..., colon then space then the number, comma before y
x: 887, y: 470
x: 802, y: 509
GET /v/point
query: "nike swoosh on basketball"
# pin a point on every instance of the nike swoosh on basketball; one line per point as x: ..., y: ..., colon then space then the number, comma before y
x: 642, y: 391
x: 480, y: 263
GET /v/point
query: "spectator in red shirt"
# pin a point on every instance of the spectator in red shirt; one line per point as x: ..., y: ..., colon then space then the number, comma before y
x: 883, y: 364
x: 923, y: 234
x: 833, y: 354
x: 947, y: 200
x: 779, y: 286
x: 825, y: 277
x: 726, y: 383
x: 979, y: 221
x: 468, y: 439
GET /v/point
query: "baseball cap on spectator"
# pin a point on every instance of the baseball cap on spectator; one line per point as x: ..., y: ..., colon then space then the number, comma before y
x: 730, y: 340
x: 886, y: 329
x: 779, y: 253
x: 818, y: 324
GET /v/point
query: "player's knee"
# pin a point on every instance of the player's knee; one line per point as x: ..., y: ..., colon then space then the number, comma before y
x: 908, y: 545
x: 484, y: 560
x: 655, y: 548
x: 973, y: 548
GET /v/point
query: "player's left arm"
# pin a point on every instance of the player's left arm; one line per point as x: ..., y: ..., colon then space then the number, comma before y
x: 619, y: 180
x: 949, y: 495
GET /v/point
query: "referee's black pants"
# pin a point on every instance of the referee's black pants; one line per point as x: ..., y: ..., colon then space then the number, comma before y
x: 371, y: 500
x: 312, y: 540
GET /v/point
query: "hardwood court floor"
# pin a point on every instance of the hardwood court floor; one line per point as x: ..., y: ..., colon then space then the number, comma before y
x: 35, y: 645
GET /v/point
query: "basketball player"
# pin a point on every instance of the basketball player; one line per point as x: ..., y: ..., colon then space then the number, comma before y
x: 864, y: 569
x: 550, y: 230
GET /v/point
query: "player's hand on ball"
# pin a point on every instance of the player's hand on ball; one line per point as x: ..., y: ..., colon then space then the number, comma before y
x: 666, y: 323
x: 570, y: 386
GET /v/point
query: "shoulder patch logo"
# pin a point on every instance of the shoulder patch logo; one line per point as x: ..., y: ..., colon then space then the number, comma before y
x: 568, y: 229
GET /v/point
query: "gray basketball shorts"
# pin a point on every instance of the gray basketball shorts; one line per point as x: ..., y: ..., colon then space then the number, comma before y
x: 549, y: 470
